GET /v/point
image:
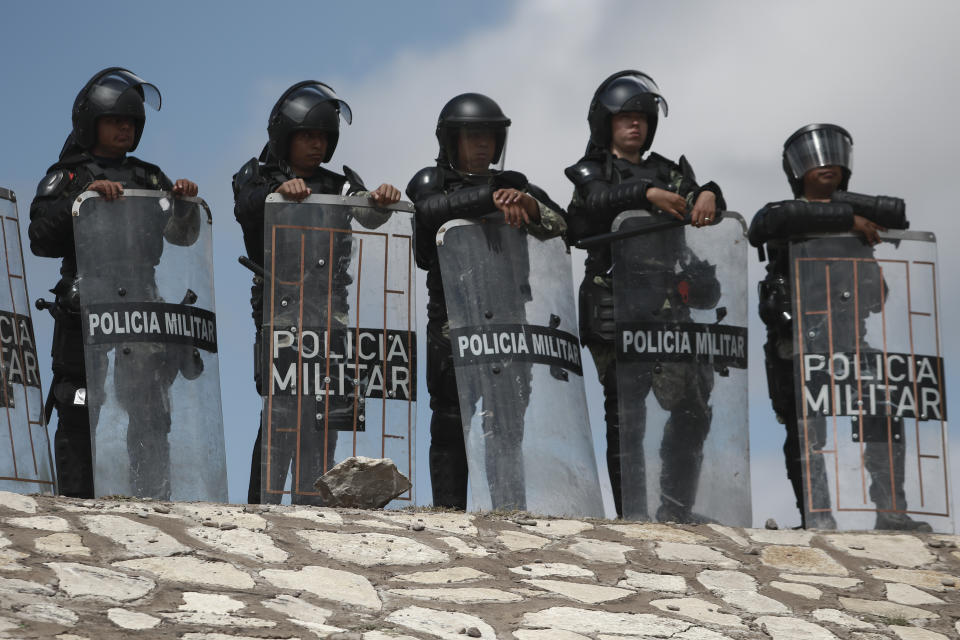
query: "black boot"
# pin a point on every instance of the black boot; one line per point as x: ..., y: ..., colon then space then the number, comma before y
x: 448, y: 460
x: 887, y: 493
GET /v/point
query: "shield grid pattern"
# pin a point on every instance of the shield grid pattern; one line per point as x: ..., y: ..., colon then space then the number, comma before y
x: 870, y: 387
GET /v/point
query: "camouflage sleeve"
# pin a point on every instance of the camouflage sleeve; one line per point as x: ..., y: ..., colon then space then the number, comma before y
x: 368, y: 217
x: 551, y: 224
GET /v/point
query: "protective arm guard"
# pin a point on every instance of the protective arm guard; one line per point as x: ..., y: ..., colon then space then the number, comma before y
x: 470, y: 202
x: 435, y: 206
x: 598, y: 201
x: 608, y: 200
x: 885, y: 211
x: 781, y: 220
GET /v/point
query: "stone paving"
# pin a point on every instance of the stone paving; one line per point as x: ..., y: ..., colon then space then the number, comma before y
x: 102, y: 569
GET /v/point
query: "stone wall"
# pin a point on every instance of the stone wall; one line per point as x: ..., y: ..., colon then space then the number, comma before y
x: 101, y: 569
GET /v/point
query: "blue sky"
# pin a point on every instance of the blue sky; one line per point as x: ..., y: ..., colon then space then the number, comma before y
x: 739, y: 77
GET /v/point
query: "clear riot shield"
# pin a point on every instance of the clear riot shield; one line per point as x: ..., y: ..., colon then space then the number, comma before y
x: 513, y: 333
x: 870, y: 381
x: 339, y: 329
x: 145, y: 265
x: 25, y: 462
x: 680, y: 306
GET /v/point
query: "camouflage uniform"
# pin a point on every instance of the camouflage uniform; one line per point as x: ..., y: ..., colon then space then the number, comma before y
x: 606, y: 186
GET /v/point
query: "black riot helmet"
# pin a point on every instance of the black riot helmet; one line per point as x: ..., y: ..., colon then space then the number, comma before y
x: 306, y: 105
x: 628, y: 90
x: 111, y: 92
x: 813, y: 146
x: 471, y: 111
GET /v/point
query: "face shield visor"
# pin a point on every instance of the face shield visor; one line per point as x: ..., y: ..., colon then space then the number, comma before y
x: 298, y: 105
x: 106, y: 92
x: 634, y: 92
x: 821, y: 147
x: 477, y: 149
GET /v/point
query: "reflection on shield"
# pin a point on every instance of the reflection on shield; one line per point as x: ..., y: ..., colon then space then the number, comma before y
x: 340, y: 341
x: 145, y: 267
x: 516, y: 354
x: 680, y: 305
x: 870, y: 381
x: 25, y: 462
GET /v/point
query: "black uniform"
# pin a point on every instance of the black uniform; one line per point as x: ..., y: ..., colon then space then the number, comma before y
x: 251, y: 186
x: 51, y: 235
x: 442, y: 194
x: 605, y: 186
x: 773, y: 226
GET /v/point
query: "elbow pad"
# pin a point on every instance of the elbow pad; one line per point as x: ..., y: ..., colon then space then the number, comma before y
x: 885, y: 211
x: 471, y: 202
x: 618, y: 197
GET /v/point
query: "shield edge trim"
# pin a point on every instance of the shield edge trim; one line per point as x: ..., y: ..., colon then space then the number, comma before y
x: 896, y: 234
x: 350, y: 201
x: 8, y: 194
x: 623, y: 216
x: 141, y: 193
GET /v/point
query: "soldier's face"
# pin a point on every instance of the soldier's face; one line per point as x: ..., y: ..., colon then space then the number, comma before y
x: 115, y: 136
x: 629, y: 132
x: 307, y: 150
x: 475, y: 149
x: 822, y: 180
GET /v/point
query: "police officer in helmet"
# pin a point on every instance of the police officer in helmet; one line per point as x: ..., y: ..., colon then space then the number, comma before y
x: 303, y: 129
x: 817, y: 160
x: 617, y: 174
x: 468, y: 181
x: 108, y: 121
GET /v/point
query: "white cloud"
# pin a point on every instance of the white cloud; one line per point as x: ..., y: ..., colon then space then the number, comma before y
x: 739, y: 79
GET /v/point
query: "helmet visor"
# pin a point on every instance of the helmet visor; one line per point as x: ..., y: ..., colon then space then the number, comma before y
x: 818, y: 148
x: 108, y: 88
x: 477, y: 149
x: 623, y: 92
x: 299, y: 103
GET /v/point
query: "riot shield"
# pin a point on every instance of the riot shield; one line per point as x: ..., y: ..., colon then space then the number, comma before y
x: 513, y: 333
x: 339, y: 329
x: 25, y: 462
x: 680, y: 307
x: 868, y: 363
x: 145, y: 267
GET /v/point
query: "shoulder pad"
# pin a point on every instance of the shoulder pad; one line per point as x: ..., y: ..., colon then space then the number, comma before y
x: 356, y: 182
x: 584, y: 171
x: 686, y: 169
x: 249, y: 171
x: 426, y: 181
x: 54, y: 183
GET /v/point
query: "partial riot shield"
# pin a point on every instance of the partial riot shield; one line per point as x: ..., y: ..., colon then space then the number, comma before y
x: 513, y: 333
x: 871, y: 401
x: 680, y: 306
x: 339, y: 329
x: 145, y: 267
x: 25, y: 462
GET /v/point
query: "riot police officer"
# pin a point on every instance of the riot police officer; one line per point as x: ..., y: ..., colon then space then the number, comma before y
x: 817, y: 162
x: 616, y: 174
x: 303, y: 129
x: 108, y: 121
x: 468, y: 181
